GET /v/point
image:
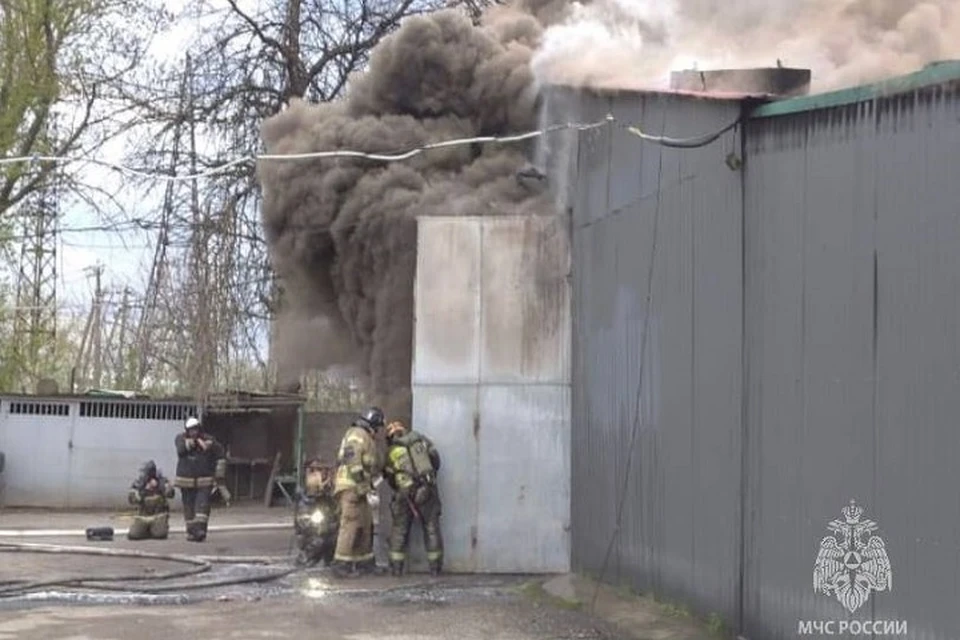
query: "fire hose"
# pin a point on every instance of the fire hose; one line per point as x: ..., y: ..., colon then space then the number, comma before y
x: 101, y: 583
x: 413, y: 507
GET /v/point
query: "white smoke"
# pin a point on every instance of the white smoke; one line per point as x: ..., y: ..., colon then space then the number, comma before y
x: 636, y: 43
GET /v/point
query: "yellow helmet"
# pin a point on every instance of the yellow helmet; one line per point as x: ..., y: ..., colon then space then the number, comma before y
x: 396, y: 428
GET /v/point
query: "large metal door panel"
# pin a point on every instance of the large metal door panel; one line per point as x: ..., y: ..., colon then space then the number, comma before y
x: 524, y: 501
x: 445, y: 414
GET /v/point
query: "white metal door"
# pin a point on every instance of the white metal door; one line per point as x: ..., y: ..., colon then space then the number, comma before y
x: 35, y: 436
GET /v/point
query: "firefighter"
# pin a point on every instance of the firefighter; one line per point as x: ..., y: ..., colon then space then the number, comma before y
x: 150, y: 492
x: 316, y: 536
x: 318, y: 479
x: 357, y: 467
x: 200, y: 466
x: 411, y: 470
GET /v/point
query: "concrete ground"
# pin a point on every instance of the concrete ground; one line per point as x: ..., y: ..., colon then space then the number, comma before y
x: 310, y: 604
x: 17, y: 518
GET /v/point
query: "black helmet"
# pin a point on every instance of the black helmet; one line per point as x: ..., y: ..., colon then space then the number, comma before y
x: 149, y: 469
x: 372, y: 417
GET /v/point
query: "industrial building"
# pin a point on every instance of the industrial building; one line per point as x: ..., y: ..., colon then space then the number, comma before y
x: 743, y: 316
x: 760, y: 326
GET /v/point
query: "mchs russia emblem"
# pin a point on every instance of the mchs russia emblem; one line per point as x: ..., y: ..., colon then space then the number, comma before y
x: 852, y: 563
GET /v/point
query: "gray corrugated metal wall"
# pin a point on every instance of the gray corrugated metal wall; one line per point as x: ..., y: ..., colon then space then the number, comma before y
x: 803, y: 351
x: 680, y: 525
x: 852, y: 265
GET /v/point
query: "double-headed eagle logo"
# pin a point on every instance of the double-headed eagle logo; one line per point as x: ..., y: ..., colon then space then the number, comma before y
x: 849, y: 568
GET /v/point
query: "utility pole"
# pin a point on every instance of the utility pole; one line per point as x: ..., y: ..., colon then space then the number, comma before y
x: 151, y: 330
x: 227, y: 285
x: 80, y: 367
x: 119, y: 348
x: 199, y: 374
x: 91, y: 345
x: 35, y: 318
x: 97, y: 324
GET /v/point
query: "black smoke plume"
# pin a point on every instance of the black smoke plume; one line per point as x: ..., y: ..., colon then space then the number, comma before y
x: 342, y: 232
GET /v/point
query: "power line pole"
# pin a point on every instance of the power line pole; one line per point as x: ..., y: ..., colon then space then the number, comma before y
x: 35, y: 320
x: 226, y: 282
x: 199, y: 359
x: 149, y: 325
x: 80, y: 367
x: 97, y: 328
x: 91, y: 344
x: 119, y: 349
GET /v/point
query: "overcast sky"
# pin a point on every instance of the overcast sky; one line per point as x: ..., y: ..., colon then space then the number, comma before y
x: 126, y: 255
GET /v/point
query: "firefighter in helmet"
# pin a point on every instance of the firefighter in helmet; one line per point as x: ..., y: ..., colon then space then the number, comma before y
x: 357, y: 468
x: 150, y: 493
x: 316, y: 515
x: 411, y: 470
x: 201, y: 463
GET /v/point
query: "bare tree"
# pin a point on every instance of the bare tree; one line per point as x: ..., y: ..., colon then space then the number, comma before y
x: 66, y: 58
x: 253, y: 60
x: 473, y: 8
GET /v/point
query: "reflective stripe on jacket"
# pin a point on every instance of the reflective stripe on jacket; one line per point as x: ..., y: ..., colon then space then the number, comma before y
x: 356, y: 460
x: 196, y: 467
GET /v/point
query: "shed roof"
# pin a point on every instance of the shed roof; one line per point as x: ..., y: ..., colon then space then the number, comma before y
x: 236, y: 400
x: 95, y: 397
x: 934, y: 74
x: 221, y: 401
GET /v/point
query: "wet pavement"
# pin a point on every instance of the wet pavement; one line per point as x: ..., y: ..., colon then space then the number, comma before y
x: 314, y: 605
x: 309, y: 603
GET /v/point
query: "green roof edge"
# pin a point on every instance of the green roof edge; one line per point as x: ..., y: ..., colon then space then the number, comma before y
x: 932, y: 74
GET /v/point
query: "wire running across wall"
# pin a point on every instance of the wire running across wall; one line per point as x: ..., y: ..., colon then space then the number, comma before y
x: 610, y: 120
x: 147, y: 225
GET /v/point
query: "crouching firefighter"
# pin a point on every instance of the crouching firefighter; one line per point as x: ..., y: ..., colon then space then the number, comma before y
x: 316, y: 516
x: 200, y: 465
x: 411, y: 470
x: 356, y: 469
x: 150, y: 492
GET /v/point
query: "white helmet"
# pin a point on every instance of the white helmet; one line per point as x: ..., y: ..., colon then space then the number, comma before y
x: 192, y: 423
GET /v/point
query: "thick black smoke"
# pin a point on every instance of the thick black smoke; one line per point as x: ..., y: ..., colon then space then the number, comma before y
x: 342, y: 232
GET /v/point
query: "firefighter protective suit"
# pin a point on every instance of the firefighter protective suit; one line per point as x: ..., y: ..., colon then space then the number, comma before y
x: 150, y: 493
x: 411, y: 470
x: 356, y: 470
x: 316, y: 515
x: 200, y: 464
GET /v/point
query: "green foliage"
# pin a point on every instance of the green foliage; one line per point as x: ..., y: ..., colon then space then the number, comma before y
x: 33, y: 37
x: 675, y: 610
x: 31, y: 33
x: 58, y: 58
x: 716, y: 626
x: 25, y: 359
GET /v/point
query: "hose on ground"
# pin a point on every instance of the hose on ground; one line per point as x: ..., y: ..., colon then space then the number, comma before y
x: 226, y: 582
x: 198, y: 566
x: 244, y: 559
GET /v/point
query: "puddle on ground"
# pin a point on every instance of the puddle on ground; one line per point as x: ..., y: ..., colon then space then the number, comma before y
x: 318, y: 584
